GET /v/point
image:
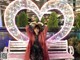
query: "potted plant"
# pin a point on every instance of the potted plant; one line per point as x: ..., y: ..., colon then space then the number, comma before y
x: 53, y: 22
x: 22, y: 19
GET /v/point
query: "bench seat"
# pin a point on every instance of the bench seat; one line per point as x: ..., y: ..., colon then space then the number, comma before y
x: 61, y: 56
x: 52, y: 56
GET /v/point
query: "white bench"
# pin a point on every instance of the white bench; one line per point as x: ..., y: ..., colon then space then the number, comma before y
x: 60, y: 50
x: 57, y: 50
x: 15, y: 50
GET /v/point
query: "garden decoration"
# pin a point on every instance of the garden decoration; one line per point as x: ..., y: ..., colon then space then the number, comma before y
x: 17, y: 5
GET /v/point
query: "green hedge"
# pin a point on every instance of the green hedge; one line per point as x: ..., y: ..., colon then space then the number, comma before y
x: 53, y: 21
x: 22, y: 19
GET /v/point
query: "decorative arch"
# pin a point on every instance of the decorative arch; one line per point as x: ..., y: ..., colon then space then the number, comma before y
x: 17, y: 5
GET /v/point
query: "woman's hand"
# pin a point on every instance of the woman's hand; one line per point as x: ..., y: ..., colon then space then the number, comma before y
x: 32, y: 24
x: 40, y: 23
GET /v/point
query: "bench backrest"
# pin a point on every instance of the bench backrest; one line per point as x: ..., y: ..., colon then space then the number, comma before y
x: 17, y: 46
x: 58, y: 46
x: 53, y: 47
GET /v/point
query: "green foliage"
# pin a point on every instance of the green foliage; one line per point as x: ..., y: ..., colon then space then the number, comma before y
x: 53, y: 21
x: 43, y: 20
x: 73, y: 41
x: 17, y: 21
x: 78, y: 47
x: 77, y: 22
x: 22, y: 19
x: 76, y: 41
x: 36, y: 19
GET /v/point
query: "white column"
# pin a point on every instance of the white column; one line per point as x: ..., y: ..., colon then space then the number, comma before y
x: 0, y: 19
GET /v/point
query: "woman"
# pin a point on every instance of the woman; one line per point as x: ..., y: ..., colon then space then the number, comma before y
x: 36, y: 49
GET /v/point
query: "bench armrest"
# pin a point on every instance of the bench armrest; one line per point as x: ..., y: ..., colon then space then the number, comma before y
x: 71, y: 50
x: 5, y: 49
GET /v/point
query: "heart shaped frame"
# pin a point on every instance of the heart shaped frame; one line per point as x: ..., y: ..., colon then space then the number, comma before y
x: 18, y: 5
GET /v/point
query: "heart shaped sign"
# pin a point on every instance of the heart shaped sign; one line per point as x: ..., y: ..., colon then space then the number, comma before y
x: 18, y: 5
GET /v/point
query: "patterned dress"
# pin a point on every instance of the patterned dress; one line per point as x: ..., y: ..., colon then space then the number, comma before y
x: 36, y: 52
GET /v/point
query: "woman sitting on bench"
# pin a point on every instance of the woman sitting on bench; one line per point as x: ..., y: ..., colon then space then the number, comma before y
x: 36, y: 49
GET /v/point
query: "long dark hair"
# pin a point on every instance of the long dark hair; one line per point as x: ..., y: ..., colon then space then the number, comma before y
x: 40, y: 27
